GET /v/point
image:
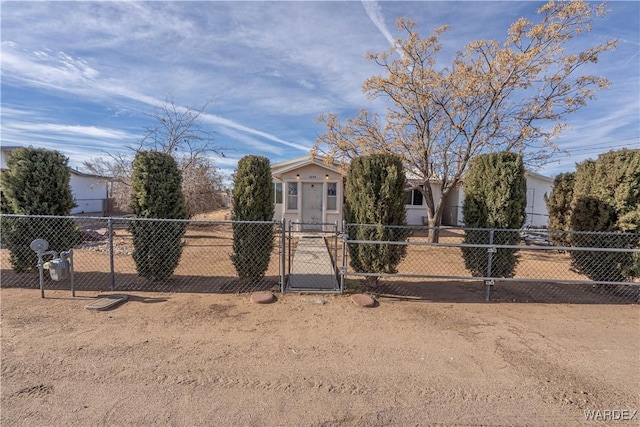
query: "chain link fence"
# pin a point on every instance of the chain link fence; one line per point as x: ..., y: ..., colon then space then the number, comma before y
x: 129, y: 254
x: 529, y: 265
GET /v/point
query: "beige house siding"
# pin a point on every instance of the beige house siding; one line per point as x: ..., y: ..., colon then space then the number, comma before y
x: 308, y: 191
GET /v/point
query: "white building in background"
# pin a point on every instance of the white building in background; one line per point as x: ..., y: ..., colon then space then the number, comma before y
x: 309, y: 190
x: 90, y: 192
x: 537, y: 214
x: 538, y: 186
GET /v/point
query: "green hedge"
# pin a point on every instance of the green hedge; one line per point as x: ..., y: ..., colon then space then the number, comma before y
x: 156, y: 193
x: 374, y: 194
x: 36, y: 182
x: 252, y: 201
x: 495, y: 197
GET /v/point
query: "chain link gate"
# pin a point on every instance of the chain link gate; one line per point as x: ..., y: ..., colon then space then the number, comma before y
x: 312, y: 254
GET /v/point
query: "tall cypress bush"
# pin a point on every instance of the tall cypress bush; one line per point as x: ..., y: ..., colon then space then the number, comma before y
x: 252, y: 201
x: 495, y: 197
x: 37, y: 182
x: 156, y: 193
x: 559, y: 208
x: 375, y: 203
x: 606, y: 198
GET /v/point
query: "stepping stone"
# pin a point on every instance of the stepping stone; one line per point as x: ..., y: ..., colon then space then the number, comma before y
x: 106, y: 302
x: 264, y: 297
x: 362, y: 300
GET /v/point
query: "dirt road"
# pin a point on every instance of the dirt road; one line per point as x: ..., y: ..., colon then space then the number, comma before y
x: 209, y: 359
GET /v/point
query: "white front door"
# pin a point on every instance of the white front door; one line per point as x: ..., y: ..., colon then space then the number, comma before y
x: 312, y: 202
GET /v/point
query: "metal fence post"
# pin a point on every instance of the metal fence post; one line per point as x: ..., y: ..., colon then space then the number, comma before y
x: 335, y: 248
x: 41, y: 272
x: 283, y: 253
x: 290, y: 237
x: 489, y: 282
x: 111, y: 256
x: 343, y: 267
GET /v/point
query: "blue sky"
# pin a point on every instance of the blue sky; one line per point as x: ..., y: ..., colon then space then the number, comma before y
x: 83, y: 77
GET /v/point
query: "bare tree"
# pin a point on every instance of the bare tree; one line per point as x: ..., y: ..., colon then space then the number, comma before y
x: 511, y: 96
x: 201, y: 186
x: 177, y: 131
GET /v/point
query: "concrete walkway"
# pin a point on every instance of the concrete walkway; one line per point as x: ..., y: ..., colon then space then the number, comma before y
x: 311, y: 267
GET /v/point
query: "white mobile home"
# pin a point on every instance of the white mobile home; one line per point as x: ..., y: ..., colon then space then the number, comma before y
x: 536, y: 212
x: 538, y: 186
x: 90, y: 192
x: 309, y: 190
x: 416, y: 206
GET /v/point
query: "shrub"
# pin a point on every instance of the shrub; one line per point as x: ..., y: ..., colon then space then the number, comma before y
x: 156, y: 187
x: 252, y: 201
x: 374, y: 197
x: 606, y: 198
x: 559, y: 208
x: 495, y: 193
x: 37, y: 182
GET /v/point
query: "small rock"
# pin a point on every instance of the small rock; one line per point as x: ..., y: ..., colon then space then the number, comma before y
x: 362, y: 300
x: 264, y: 297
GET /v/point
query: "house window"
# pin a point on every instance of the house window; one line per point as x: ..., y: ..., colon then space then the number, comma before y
x: 413, y: 197
x: 277, y: 192
x: 332, y: 196
x: 292, y: 196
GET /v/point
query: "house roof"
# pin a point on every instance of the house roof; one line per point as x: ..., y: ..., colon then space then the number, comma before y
x: 538, y: 176
x: 527, y: 174
x: 88, y: 175
x: 278, y: 169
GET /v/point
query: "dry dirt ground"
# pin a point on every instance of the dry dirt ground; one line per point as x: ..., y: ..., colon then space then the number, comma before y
x: 186, y: 359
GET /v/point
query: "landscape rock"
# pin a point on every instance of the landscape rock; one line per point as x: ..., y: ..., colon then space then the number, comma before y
x: 263, y: 297
x: 363, y: 300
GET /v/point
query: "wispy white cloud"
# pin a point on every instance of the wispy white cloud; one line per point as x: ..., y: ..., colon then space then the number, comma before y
x: 69, y: 130
x: 243, y: 141
x: 72, y: 75
x: 270, y: 67
x: 231, y: 124
x: 374, y: 12
x: 79, y: 142
x: 59, y: 72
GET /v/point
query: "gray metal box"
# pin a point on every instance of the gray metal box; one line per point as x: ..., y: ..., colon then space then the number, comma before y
x: 59, y: 269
